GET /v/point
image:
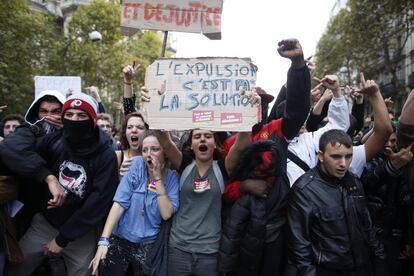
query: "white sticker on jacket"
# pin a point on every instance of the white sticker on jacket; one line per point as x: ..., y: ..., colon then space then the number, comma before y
x: 200, y: 186
x: 73, y: 178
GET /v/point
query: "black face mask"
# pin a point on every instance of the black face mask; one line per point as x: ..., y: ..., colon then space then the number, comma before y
x: 79, y: 134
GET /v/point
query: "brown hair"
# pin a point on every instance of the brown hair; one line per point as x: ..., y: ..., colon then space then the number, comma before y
x: 123, y: 139
x: 105, y: 117
x: 217, y: 141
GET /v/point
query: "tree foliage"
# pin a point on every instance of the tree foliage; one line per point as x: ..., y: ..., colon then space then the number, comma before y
x: 33, y: 44
x: 368, y: 35
x: 26, y: 39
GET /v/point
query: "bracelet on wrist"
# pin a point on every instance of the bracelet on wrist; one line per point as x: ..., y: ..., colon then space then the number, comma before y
x: 104, y: 241
x: 161, y: 194
x: 127, y: 83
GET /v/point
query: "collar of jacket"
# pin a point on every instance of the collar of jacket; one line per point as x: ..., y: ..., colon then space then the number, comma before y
x: 333, y: 181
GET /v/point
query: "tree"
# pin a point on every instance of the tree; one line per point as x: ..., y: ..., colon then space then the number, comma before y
x: 32, y: 44
x: 26, y: 39
x: 100, y: 63
x: 368, y: 35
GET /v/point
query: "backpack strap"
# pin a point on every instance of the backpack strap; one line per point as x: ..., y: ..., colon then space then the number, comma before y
x: 186, y: 173
x: 295, y: 159
x: 219, y: 175
x: 216, y: 170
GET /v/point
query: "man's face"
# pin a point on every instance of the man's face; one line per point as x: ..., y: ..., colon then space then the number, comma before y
x: 335, y: 160
x: 49, y: 109
x: 391, y: 145
x: 76, y: 115
x: 10, y: 126
x: 105, y: 125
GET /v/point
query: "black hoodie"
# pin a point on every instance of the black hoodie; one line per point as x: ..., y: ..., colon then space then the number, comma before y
x: 90, y: 178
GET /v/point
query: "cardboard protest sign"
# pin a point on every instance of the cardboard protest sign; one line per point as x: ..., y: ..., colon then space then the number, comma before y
x: 59, y: 83
x: 201, y: 93
x: 202, y: 16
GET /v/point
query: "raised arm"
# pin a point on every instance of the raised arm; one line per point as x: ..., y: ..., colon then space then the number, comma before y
x: 280, y: 98
x: 242, y: 139
x: 358, y: 111
x: 382, y: 123
x: 129, y: 72
x: 171, y: 150
x: 407, y: 113
x: 298, y: 87
x: 93, y: 91
x: 338, y: 115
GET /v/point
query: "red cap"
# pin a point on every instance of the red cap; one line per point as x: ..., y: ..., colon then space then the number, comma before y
x: 82, y: 102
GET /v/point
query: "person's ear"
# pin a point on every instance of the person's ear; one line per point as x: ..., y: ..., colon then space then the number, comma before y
x: 320, y: 156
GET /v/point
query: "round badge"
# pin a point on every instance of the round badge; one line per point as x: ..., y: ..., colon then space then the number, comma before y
x: 76, y: 103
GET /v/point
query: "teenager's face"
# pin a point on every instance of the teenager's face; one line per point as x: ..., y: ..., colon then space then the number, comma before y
x: 10, y: 126
x: 76, y: 115
x: 391, y: 145
x: 152, y: 150
x: 135, y: 131
x: 49, y: 109
x: 203, y: 144
x: 105, y: 125
x: 335, y: 160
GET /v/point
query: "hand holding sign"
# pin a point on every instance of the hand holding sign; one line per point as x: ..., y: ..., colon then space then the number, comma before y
x: 254, y: 97
x: 145, y: 97
x: 291, y: 49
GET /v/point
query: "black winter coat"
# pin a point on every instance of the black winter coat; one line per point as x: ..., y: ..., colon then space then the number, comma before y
x: 243, y: 236
x: 329, y: 224
x: 387, y: 195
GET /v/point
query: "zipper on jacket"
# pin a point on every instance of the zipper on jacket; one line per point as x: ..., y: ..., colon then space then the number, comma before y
x: 319, y: 257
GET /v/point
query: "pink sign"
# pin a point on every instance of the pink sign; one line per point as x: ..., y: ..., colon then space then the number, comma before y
x: 231, y: 118
x: 202, y: 116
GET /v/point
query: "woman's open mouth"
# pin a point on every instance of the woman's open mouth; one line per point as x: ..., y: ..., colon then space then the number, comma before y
x: 203, y: 148
x: 134, y: 141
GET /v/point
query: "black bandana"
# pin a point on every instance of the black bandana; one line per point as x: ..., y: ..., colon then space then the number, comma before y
x: 79, y: 134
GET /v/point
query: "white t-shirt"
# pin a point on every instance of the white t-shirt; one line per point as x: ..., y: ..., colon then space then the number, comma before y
x: 359, y: 159
x: 307, y: 144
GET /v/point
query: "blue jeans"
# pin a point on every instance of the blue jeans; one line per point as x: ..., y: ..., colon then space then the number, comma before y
x: 181, y: 263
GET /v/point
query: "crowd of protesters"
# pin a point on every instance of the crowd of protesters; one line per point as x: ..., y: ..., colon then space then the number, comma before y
x: 312, y: 189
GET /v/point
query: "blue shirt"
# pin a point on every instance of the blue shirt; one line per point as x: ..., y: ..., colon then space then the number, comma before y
x: 131, y: 193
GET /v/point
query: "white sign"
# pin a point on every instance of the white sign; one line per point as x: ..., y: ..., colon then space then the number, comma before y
x: 201, y: 93
x: 60, y: 83
x: 202, y: 16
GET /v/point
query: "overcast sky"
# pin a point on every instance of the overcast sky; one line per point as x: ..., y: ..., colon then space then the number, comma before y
x: 253, y: 28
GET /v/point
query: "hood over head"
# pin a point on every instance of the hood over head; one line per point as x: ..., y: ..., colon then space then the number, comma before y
x: 32, y: 113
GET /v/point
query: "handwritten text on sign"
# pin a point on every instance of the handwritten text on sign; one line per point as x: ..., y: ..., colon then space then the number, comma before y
x: 201, y: 93
x: 60, y: 83
x: 173, y: 15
